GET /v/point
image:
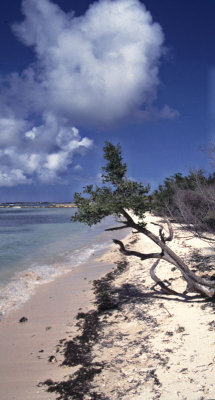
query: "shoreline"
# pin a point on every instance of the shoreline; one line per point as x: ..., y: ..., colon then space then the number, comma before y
x: 48, y: 262
x: 37, y: 205
x: 50, y: 312
x: 126, y: 340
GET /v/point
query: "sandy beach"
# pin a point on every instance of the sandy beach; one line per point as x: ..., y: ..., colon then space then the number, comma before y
x: 26, y: 347
x: 130, y: 340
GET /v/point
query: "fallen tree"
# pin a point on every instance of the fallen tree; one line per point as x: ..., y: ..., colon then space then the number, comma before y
x: 125, y: 199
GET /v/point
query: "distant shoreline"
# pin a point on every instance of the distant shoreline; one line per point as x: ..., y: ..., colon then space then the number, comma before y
x: 37, y: 205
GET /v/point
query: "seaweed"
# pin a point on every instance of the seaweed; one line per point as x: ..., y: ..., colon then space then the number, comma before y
x: 78, y: 351
x: 77, y: 386
x: 104, y: 293
x: 204, y: 264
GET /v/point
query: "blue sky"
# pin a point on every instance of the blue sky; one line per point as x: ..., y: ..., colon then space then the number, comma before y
x: 141, y: 73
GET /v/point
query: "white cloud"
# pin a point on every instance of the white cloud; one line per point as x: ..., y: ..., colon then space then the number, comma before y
x: 78, y: 167
x: 98, y: 67
x: 35, y: 157
x: 93, y: 69
x: 12, y: 177
x: 31, y: 134
x: 10, y: 130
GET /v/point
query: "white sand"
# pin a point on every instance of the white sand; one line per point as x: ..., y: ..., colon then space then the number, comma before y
x: 169, y: 356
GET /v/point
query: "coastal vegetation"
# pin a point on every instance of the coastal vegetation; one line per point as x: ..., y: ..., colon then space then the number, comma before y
x: 128, y: 201
x: 188, y: 200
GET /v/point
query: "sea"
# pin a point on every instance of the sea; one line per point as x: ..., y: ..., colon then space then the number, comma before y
x: 37, y: 245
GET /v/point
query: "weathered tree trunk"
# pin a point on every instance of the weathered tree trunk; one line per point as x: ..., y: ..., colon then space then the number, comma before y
x: 194, y: 282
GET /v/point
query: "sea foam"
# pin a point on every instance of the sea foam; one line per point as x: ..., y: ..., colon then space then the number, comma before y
x: 24, y: 284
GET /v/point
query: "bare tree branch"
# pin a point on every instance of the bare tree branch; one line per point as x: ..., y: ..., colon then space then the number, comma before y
x: 170, y: 237
x: 162, y: 234
x: 119, y: 220
x: 128, y: 218
x: 135, y: 253
x: 116, y: 228
x: 201, y: 285
x: 142, y: 256
x: 159, y: 282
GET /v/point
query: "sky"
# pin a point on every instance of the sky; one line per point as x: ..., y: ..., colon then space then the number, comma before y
x: 74, y: 74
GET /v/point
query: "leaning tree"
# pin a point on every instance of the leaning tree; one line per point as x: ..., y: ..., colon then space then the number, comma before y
x: 128, y: 201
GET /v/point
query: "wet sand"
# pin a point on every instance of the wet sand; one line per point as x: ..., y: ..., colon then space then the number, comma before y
x: 26, y: 347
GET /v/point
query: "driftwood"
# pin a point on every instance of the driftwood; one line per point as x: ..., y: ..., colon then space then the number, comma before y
x: 194, y: 283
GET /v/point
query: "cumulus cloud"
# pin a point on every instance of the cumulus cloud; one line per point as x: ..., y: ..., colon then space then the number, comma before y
x: 98, y: 67
x: 12, y: 177
x: 10, y: 130
x: 93, y: 69
x: 36, y: 156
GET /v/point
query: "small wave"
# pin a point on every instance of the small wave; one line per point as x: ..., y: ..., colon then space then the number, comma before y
x: 23, y: 285
x: 80, y: 256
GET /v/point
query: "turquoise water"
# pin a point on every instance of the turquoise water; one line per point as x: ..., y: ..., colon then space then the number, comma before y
x: 37, y: 245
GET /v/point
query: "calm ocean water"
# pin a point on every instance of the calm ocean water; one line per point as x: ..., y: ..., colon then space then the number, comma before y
x: 37, y: 245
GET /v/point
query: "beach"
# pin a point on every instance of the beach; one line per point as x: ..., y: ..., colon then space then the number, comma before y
x: 105, y: 331
x: 26, y: 347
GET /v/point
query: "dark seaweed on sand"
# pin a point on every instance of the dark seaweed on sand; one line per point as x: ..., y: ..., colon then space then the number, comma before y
x: 77, y: 386
x: 204, y: 264
x: 78, y: 351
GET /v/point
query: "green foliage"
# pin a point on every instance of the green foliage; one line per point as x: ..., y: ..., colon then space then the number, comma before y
x: 121, y: 193
x: 188, y: 199
x: 163, y: 198
x: 114, y: 170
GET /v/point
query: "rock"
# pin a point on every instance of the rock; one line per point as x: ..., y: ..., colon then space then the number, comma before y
x: 184, y: 370
x: 23, y: 319
x: 180, y: 329
x: 52, y: 359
